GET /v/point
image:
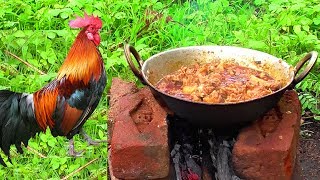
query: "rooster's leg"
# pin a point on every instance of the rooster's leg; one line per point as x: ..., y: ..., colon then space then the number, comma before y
x: 89, y: 140
x: 72, y: 152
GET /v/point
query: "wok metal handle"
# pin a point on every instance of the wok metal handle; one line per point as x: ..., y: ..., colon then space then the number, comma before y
x: 312, y: 58
x: 128, y: 50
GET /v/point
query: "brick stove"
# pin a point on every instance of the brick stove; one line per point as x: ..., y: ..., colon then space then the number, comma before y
x: 142, y: 145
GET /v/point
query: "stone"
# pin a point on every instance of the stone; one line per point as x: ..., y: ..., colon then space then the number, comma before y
x: 267, y: 149
x: 138, y: 142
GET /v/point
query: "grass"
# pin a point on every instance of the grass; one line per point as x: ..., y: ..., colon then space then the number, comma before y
x: 38, y: 32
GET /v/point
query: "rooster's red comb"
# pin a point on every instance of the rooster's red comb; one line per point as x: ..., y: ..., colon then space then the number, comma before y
x: 80, y: 22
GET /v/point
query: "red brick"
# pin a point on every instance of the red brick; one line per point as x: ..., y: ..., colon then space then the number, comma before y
x: 118, y: 89
x: 267, y: 149
x: 139, y: 143
x: 121, y: 88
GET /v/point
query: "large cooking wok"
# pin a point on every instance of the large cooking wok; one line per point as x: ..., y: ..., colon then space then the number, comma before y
x: 218, y: 115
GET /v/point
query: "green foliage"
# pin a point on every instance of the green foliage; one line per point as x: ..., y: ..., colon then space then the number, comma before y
x: 38, y: 32
x: 310, y: 95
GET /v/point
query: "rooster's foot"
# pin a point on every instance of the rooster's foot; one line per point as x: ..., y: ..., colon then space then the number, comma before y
x: 89, y: 140
x: 72, y: 152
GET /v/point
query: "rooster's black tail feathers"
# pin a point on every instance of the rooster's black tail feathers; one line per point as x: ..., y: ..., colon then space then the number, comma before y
x: 17, y: 121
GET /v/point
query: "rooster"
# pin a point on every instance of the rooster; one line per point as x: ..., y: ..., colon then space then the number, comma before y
x: 64, y: 104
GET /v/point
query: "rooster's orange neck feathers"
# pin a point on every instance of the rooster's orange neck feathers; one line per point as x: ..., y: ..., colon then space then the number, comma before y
x: 83, y: 61
x: 82, y: 64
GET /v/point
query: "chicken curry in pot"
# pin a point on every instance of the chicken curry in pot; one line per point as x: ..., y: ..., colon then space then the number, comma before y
x: 218, y: 82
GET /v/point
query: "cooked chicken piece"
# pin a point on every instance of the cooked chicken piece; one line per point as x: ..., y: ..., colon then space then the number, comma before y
x: 189, y: 89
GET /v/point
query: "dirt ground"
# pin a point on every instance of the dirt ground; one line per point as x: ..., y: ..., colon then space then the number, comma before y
x: 310, y: 150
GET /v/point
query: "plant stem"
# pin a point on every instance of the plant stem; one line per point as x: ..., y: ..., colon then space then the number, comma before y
x: 79, y: 169
x: 25, y: 62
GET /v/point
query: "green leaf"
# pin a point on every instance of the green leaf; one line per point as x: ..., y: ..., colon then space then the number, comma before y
x: 47, y: 77
x: 73, y: 167
x: 257, y: 44
x: 120, y: 15
x: 55, y: 164
x: 51, y: 60
x: 43, y: 138
x: 101, y: 134
x: 298, y: 6
x: 259, y: 2
x: 305, y: 21
x: 37, y: 41
x: 19, y: 34
x: 51, y: 35
x: 316, y: 21
x: 62, y: 33
x: 54, y: 12
x: 63, y: 160
x: 20, y: 41
x: 297, y: 29
x: 52, y: 143
x: 274, y: 7
x: 33, y: 62
x: 64, y: 15
x: 24, y: 50
x: 44, y: 54
x: 304, y: 86
x: 306, y: 28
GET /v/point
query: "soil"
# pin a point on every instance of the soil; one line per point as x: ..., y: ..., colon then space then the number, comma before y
x: 310, y: 150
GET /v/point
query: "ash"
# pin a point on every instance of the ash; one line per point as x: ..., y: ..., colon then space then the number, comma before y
x: 197, y: 153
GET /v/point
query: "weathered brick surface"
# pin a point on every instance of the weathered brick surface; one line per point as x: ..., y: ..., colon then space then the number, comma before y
x: 267, y: 149
x: 139, y: 142
x: 118, y: 89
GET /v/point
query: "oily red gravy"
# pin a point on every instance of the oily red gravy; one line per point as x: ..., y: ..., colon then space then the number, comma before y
x: 218, y: 82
